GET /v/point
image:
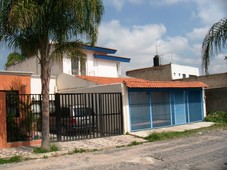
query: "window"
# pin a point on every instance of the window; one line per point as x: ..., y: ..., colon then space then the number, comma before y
x: 184, y: 75
x: 75, y: 67
x: 78, y: 66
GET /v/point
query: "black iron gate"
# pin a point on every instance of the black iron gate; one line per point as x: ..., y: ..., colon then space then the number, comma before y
x: 72, y: 116
x: 83, y: 116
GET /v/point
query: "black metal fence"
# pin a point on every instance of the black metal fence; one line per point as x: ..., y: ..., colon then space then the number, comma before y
x: 72, y: 116
x: 22, y: 116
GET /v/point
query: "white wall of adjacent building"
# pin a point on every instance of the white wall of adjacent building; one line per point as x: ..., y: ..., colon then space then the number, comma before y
x: 180, y: 71
x: 36, y: 85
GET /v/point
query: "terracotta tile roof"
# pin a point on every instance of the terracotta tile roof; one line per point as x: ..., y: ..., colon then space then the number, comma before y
x: 164, y: 84
x: 141, y: 83
x: 107, y: 80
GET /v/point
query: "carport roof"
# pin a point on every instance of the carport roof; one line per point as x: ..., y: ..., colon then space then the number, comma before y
x: 141, y: 83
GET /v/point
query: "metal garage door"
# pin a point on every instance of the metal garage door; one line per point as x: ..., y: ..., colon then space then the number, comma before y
x: 179, y: 108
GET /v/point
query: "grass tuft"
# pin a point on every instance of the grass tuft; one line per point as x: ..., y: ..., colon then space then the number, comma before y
x: 134, y: 143
x: 80, y: 150
x: 169, y: 135
x: 13, y: 159
x: 53, y: 148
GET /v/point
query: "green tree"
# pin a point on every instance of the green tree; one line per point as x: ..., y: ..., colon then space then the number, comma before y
x: 47, y: 29
x: 13, y: 58
x: 214, y: 42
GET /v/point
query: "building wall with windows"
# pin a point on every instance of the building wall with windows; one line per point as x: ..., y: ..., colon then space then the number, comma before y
x: 97, y: 62
x: 180, y: 71
x: 164, y: 72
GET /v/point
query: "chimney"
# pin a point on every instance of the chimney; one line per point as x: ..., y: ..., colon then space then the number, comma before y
x: 156, y: 60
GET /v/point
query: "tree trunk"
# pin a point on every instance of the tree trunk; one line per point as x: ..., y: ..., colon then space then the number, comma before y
x: 45, y: 79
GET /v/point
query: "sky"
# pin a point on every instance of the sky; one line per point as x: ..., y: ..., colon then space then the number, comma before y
x: 174, y: 29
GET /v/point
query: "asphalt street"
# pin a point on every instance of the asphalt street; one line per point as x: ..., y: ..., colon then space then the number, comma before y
x: 206, y: 150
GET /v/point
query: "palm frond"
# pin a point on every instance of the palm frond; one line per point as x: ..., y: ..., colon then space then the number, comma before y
x: 68, y: 49
x: 214, y: 42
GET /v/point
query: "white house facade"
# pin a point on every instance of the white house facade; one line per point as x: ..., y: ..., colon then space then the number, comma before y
x: 99, y: 61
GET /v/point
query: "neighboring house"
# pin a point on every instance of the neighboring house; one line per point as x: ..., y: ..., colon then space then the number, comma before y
x: 146, y: 104
x: 216, y: 92
x: 99, y: 61
x: 164, y: 72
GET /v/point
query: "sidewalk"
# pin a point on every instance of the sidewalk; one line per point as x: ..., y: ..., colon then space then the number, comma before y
x: 179, y: 128
x: 69, y: 147
x: 95, y: 144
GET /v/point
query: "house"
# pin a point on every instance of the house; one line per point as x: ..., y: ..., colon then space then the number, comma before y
x: 121, y: 104
x: 165, y: 72
x: 99, y: 61
x: 146, y: 104
x: 96, y: 61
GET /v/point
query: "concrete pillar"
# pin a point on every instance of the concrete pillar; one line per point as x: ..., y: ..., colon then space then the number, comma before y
x: 126, y: 116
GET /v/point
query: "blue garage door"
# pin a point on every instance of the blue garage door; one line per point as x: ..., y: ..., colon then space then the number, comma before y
x: 195, y: 106
x: 179, y: 108
x: 160, y: 109
x: 139, y: 110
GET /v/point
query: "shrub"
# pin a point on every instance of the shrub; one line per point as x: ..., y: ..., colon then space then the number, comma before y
x: 218, y: 117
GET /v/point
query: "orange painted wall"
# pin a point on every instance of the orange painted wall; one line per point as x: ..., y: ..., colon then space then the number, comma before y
x: 3, y: 137
x: 23, y: 85
x: 9, y: 81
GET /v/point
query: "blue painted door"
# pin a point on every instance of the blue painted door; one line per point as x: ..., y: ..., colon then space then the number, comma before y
x: 139, y: 110
x: 195, y: 105
x: 179, y: 108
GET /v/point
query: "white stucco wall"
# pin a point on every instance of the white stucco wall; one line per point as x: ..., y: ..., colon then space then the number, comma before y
x: 102, y: 68
x: 106, y: 68
x: 177, y: 71
x: 36, y: 85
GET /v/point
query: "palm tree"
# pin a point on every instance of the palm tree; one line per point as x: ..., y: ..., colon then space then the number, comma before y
x: 213, y: 42
x: 47, y: 29
x: 13, y: 58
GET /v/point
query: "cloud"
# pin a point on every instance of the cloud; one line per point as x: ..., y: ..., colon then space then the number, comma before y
x: 119, y: 4
x: 135, y: 2
x: 165, y: 2
x: 139, y: 43
x: 197, y: 34
x: 210, y: 11
x: 133, y: 38
x: 136, y: 42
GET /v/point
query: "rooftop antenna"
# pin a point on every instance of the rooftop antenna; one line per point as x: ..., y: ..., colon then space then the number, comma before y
x: 157, y: 49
